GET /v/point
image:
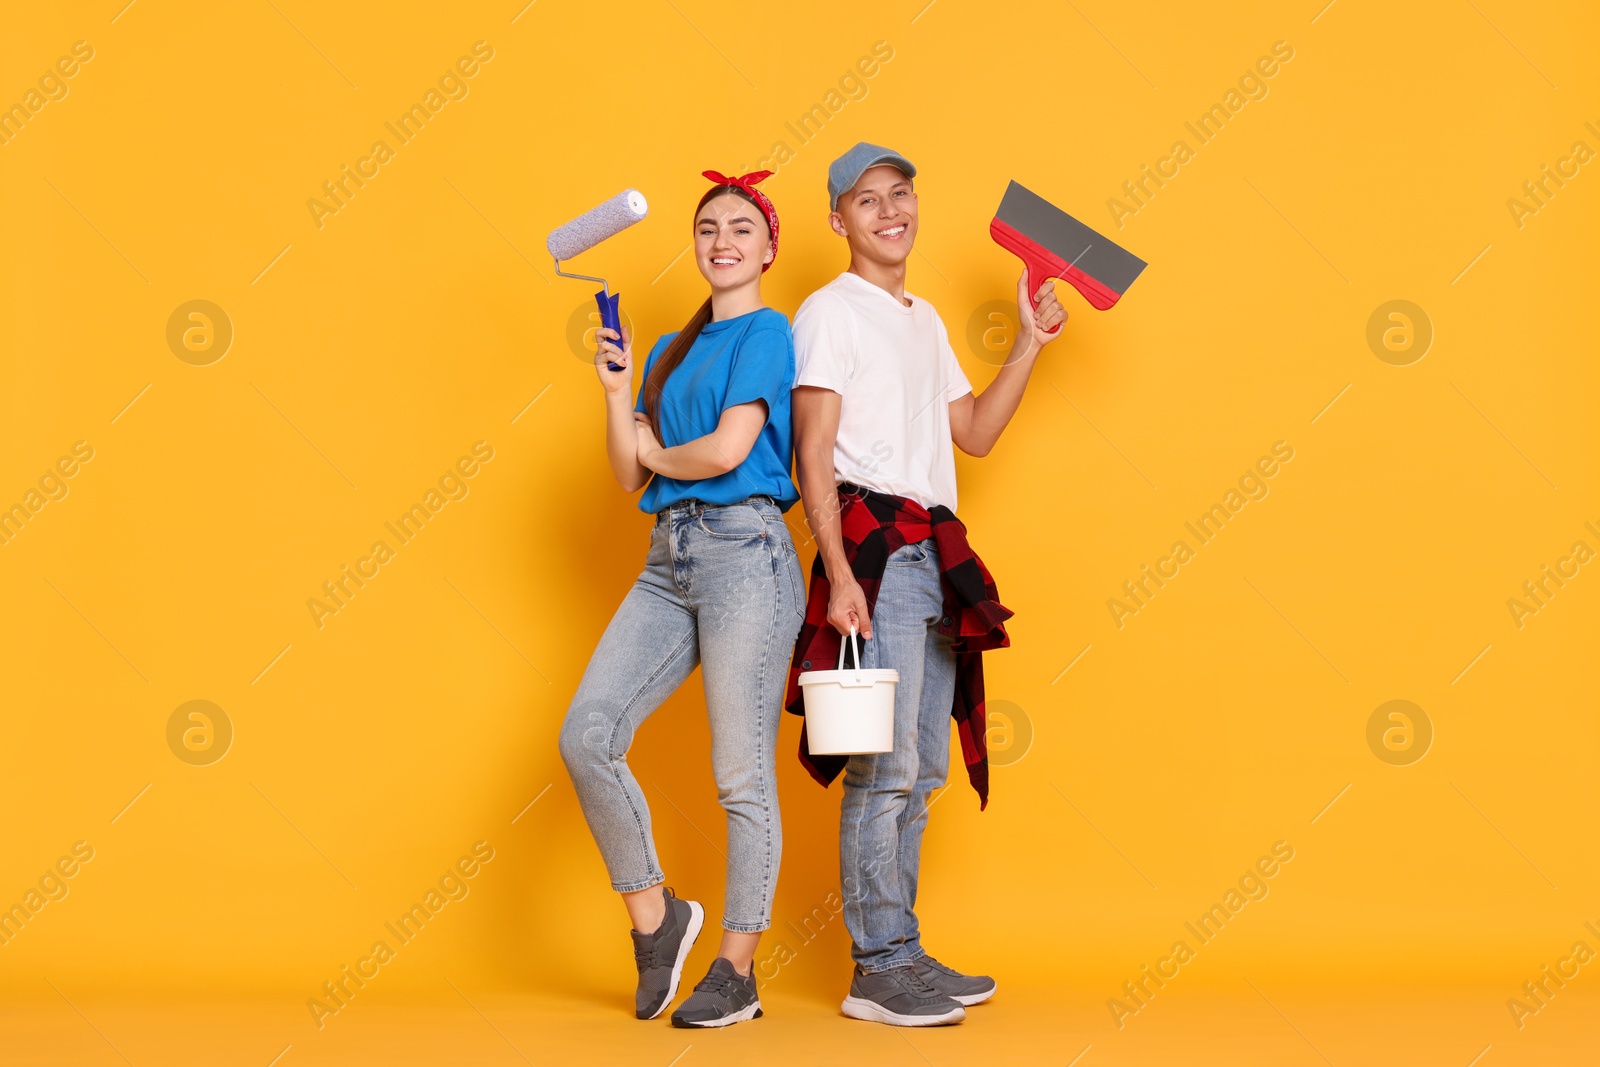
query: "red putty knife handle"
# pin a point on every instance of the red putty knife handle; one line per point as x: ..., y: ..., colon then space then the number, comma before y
x: 1042, y: 265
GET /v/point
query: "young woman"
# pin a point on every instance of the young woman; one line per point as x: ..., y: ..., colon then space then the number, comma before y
x: 709, y: 440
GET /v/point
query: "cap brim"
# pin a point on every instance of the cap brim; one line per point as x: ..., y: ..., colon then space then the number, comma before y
x: 900, y: 163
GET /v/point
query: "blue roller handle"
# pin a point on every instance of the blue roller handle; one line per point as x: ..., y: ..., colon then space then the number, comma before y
x: 610, y: 319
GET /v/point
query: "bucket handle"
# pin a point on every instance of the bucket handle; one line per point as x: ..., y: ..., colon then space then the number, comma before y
x: 855, y: 648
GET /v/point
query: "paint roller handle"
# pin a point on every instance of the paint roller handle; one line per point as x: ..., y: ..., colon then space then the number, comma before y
x: 610, y: 318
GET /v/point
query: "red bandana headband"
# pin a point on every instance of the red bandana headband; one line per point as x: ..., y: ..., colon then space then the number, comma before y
x: 747, y: 183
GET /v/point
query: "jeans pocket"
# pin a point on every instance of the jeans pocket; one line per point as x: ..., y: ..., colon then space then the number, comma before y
x: 733, y: 522
x: 656, y: 553
x: 910, y: 554
x: 790, y: 561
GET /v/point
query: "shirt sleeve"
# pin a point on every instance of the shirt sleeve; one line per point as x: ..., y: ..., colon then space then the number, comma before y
x: 650, y: 361
x: 956, y: 384
x: 763, y: 368
x: 824, y: 343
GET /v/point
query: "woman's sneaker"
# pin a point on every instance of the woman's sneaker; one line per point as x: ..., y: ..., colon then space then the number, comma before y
x: 723, y: 997
x: 899, y: 997
x: 660, y: 955
x: 966, y: 989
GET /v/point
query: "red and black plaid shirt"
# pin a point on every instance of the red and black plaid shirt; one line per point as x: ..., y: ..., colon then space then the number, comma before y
x: 874, y: 525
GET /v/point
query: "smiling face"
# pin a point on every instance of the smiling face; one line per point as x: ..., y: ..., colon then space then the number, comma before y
x: 878, y: 216
x: 731, y: 241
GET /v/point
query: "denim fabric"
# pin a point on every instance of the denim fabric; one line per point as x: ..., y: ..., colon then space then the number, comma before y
x: 721, y: 588
x: 885, y: 806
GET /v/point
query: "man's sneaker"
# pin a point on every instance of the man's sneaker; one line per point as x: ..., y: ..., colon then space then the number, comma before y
x: 660, y: 955
x: 962, y: 988
x: 723, y: 997
x: 899, y: 997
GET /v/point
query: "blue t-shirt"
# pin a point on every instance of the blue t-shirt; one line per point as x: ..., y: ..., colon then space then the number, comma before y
x: 735, y: 361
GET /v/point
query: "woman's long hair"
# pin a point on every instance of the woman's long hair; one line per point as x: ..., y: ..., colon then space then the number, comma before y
x: 680, y: 345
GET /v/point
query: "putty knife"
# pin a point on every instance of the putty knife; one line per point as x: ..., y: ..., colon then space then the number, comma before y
x: 1053, y: 244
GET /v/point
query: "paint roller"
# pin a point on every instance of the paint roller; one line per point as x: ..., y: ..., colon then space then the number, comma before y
x: 1053, y: 244
x: 588, y: 230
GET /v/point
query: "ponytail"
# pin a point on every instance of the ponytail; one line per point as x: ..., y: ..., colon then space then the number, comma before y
x: 664, y: 366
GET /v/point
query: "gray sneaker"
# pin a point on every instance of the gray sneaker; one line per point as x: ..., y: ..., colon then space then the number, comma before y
x: 899, y: 997
x: 660, y: 955
x: 962, y: 988
x: 723, y: 997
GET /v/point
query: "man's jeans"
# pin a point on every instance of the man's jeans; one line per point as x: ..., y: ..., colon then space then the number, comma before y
x: 885, y: 807
x: 721, y: 587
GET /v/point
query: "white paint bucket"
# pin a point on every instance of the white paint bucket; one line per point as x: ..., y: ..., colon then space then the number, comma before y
x: 849, y: 712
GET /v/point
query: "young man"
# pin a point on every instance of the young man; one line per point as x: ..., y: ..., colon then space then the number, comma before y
x: 878, y: 403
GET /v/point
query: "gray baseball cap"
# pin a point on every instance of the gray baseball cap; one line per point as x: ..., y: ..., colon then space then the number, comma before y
x: 844, y: 172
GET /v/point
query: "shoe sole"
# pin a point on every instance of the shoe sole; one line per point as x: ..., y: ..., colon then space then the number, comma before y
x: 742, y: 1015
x: 869, y: 1011
x: 697, y: 917
x: 975, y: 998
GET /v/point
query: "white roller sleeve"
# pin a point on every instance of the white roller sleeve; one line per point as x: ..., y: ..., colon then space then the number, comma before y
x: 595, y: 225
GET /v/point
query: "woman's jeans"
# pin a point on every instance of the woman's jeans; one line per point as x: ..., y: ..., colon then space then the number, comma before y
x: 722, y: 588
x: 885, y: 806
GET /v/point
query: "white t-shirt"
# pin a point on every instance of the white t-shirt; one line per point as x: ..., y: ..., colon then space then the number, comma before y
x: 897, y: 374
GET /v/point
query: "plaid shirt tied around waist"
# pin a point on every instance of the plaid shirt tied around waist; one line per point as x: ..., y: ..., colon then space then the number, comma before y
x: 873, y: 526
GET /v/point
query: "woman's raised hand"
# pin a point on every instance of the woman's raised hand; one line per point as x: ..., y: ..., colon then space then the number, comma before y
x: 608, y: 353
